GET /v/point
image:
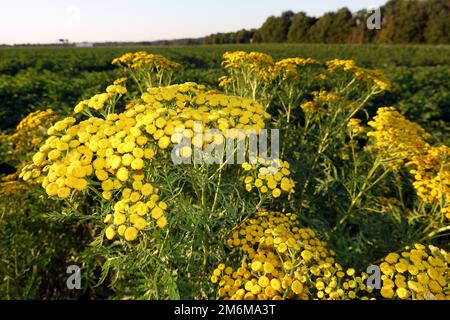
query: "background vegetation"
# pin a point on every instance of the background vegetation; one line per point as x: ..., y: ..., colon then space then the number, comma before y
x: 38, y: 78
x: 38, y: 238
x: 403, y: 22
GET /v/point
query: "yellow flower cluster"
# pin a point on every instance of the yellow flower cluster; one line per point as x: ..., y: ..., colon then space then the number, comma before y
x: 112, y: 152
x: 189, y: 111
x: 355, y: 127
x: 269, y: 176
x: 396, y: 137
x: 31, y: 131
x: 143, y: 59
x: 116, y: 88
x: 321, y: 101
x: 310, y: 106
x: 32, y: 173
x: 432, y: 174
x: 242, y: 59
x: 372, y: 77
x: 346, y: 65
x: 64, y: 158
x: 446, y: 212
x: 421, y: 273
x: 224, y: 81
x: 131, y: 211
x: 284, y: 261
x: 399, y: 140
x: 323, y: 97
x: 258, y: 76
x: 289, y: 68
x: 376, y: 77
x: 98, y: 101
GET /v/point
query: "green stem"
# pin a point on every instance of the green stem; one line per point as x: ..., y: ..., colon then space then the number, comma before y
x: 216, y: 195
x: 433, y: 233
x: 365, y: 187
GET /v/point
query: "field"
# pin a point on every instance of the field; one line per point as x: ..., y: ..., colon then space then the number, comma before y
x: 91, y: 182
x: 38, y: 78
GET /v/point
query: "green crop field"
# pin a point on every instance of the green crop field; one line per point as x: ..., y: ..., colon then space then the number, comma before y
x: 88, y: 176
x: 36, y: 78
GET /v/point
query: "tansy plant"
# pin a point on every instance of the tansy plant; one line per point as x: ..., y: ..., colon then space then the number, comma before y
x: 119, y: 157
x: 344, y: 163
x: 175, y: 214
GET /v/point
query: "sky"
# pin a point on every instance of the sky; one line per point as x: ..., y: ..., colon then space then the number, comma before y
x: 46, y: 21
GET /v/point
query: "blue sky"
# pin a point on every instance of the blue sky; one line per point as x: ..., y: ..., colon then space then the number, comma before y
x: 44, y: 21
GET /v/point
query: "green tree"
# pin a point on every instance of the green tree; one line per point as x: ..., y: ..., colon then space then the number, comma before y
x: 257, y: 37
x: 301, y: 23
x: 332, y: 27
x: 341, y: 27
x: 243, y: 36
x: 403, y: 22
x: 437, y: 29
x: 275, y: 29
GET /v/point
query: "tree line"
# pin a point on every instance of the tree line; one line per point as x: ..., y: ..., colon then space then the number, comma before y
x: 402, y: 22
